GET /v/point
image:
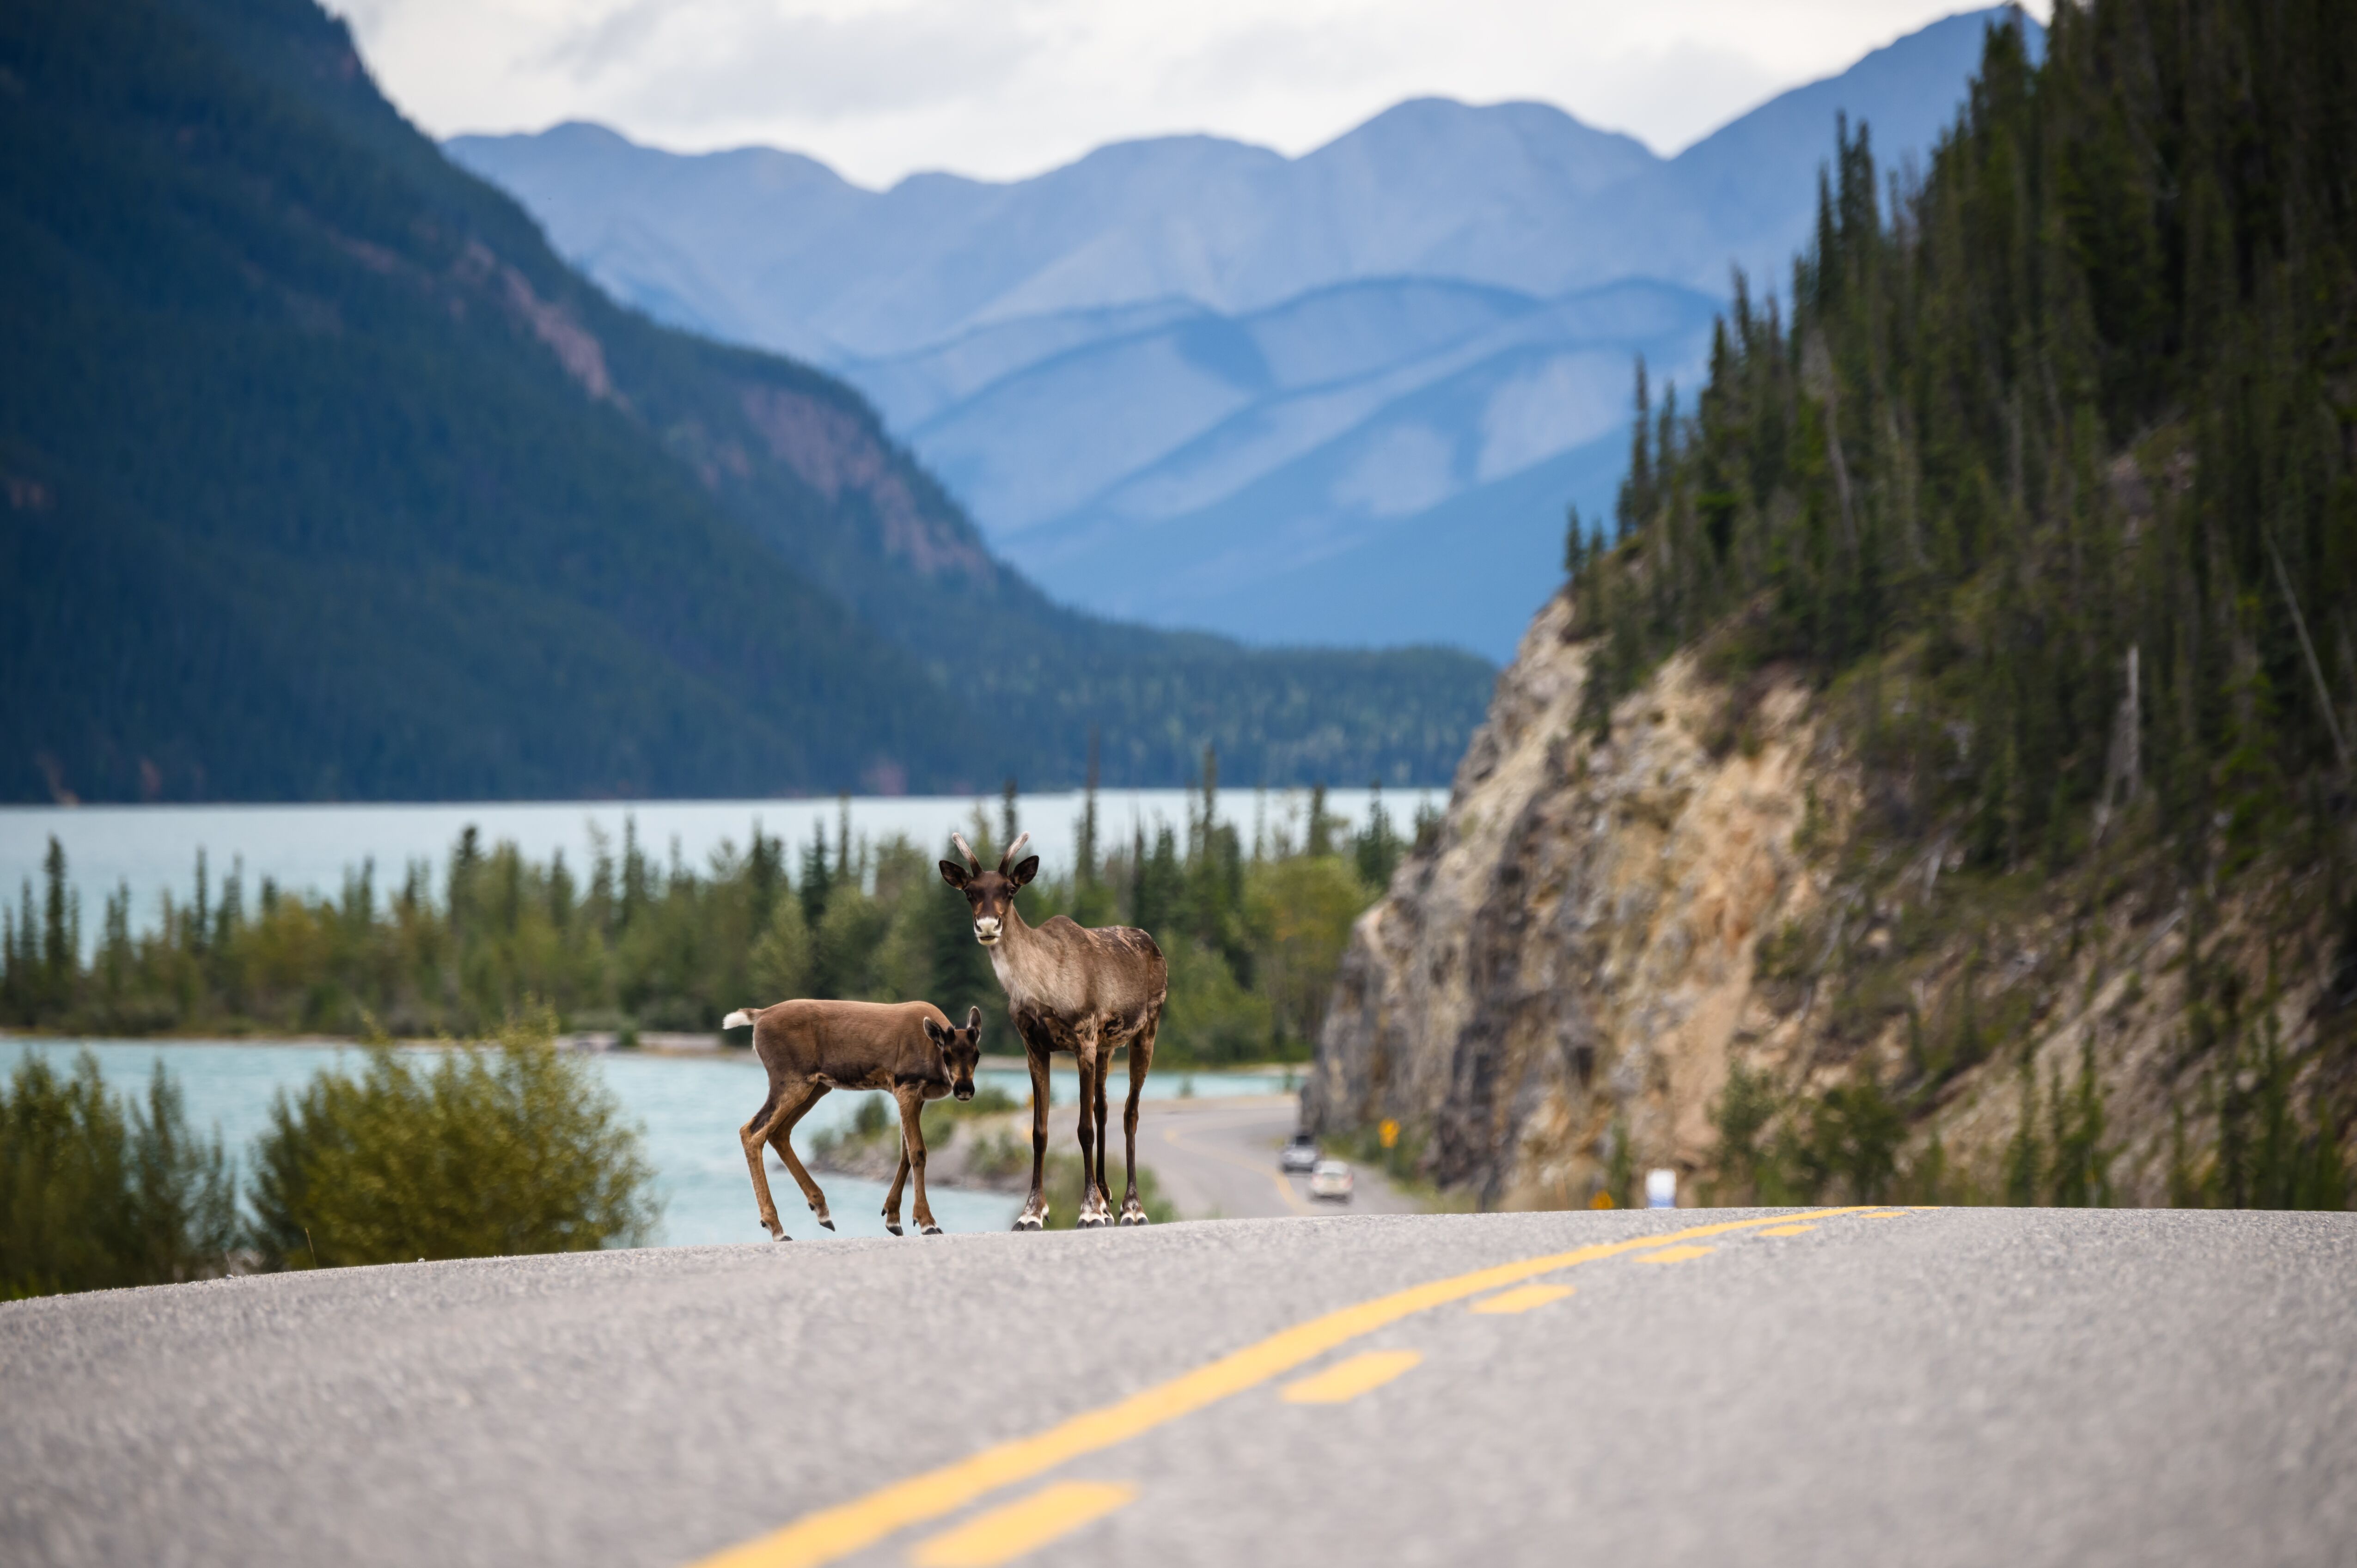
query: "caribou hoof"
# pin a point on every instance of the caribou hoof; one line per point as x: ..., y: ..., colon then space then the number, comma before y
x: 893, y: 1226
x: 1032, y: 1221
x: 931, y: 1230
x: 1132, y: 1214
x: 1096, y: 1221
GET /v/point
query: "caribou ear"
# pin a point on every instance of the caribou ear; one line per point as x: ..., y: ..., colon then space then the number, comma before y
x: 973, y: 1020
x: 1030, y: 868
x: 954, y: 875
x: 936, y: 1034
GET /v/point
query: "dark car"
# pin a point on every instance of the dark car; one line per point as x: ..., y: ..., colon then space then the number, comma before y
x: 1301, y: 1155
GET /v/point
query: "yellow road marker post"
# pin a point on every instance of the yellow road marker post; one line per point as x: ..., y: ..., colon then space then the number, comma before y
x: 1004, y: 1534
x: 1676, y: 1254
x: 1349, y: 1379
x: 1787, y: 1230
x: 824, y: 1535
x: 1522, y: 1300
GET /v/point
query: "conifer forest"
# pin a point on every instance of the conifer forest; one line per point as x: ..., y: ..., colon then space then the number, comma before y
x: 634, y: 940
x: 2045, y: 469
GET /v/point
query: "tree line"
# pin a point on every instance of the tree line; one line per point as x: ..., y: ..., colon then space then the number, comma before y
x: 633, y: 942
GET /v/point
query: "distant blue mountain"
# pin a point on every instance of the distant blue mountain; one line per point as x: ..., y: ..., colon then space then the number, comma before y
x: 1193, y: 380
x: 1288, y: 474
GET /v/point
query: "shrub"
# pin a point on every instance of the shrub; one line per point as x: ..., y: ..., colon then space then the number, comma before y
x: 489, y: 1151
x: 1854, y: 1135
x: 96, y: 1193
x: 1743, y: 1113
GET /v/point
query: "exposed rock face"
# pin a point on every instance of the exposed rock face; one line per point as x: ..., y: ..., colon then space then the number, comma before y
x: 835, y: 452
x: 1576, y: 951
x: 1578, y: 957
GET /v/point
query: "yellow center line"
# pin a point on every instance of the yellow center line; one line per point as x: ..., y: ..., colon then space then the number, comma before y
x: 1004, y: 1534
x: 1787, y: 1230
x: 1349, y: 1379
x: 1677, y: 1254
x: 1522, y: 1300
x: 829, y: 1533
x: 1888, y: 1214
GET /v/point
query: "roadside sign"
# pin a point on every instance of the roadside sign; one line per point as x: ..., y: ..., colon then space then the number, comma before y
x: 1389, y: 1132
x: 1661, y: 1188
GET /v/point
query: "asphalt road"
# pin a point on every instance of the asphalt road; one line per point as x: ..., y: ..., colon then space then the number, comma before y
x: 1960, y: 1387
x: 1217, y: 1159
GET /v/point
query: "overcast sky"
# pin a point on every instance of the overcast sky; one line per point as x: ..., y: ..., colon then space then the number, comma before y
x: 1002, y: 89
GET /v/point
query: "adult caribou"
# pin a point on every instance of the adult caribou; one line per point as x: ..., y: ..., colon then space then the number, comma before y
x: 1069, y: 988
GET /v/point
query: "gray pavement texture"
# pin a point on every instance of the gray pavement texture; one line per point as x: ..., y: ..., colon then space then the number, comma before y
x: 1967, y: 1387
x: 1217, y: 1159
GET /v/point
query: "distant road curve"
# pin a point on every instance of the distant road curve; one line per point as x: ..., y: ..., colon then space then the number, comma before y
x: 1887, y: 1386
x: 1217, y: 1158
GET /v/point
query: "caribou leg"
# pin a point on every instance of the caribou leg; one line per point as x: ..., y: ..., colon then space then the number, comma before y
x: 1141, y: 1057
x: 1104, y: 1126
x: 781, y: 1139
x: 775, y: 1109
x: 1093, y: 1208
x: 912, y: 1158
x: 892, y: 1198
x: 1035, y: 1209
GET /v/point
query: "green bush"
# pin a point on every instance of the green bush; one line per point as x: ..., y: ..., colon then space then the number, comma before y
x: 1743, y: 1114
x: 96, y: 1194
x: 490, y: 1152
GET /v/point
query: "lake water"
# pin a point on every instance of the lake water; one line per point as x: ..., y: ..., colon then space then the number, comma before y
x: 688, y: 1109
x: 310, y: 848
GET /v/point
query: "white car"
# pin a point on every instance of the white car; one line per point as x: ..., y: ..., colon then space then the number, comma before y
x: 1330, y: 1178
x: 1301, y: 1155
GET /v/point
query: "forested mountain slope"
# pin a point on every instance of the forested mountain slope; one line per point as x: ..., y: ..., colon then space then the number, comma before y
x: 325, y: 479
x: 1941, y: 784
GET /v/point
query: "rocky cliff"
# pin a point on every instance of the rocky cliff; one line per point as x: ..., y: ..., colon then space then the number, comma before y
x: 1560, y: 985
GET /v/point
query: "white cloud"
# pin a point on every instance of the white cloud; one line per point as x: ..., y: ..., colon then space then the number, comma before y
x: 1006, y: 88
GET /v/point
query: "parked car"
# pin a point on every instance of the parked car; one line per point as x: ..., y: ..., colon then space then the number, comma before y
x: 1331, y: 1178
x: 1301, y: 1155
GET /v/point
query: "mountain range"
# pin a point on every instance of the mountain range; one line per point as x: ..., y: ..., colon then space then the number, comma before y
x: 1339, y: 398
x: 323, y: 476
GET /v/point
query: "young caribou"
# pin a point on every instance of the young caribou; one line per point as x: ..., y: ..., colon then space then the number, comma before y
x: 906, y: 1048
x: 1087, y: 992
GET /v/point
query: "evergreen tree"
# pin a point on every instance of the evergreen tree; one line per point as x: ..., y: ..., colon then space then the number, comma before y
x: 1637, y: 501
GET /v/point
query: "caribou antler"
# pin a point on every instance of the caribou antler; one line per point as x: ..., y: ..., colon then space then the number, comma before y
x: 1007, y: 861
x: 965, y: 849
